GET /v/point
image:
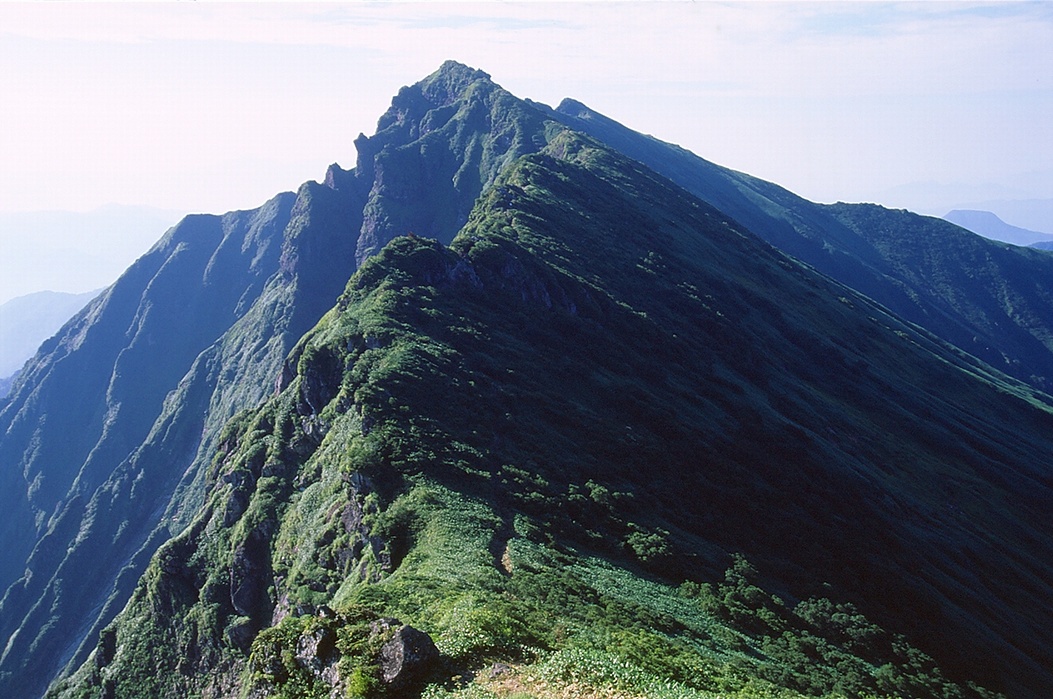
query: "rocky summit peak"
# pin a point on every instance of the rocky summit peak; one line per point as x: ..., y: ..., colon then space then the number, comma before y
x: 446, y: 86
x: 458, y: 70
x: 572, y: 107
x: 449, y: 82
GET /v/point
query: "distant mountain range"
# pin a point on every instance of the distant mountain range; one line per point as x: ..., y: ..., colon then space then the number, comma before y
x: 1031, y: 214
x: 990, y: 226
x: 529, y: 404
x: 27, y: 321
x: 73, y: 251
x: 1024, y: 202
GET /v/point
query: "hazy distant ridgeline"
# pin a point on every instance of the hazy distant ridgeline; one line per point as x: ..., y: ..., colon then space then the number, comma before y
x: 27, y: 321
x: 1030, y: 214
x: 989, y: 225
x: 71, y: 251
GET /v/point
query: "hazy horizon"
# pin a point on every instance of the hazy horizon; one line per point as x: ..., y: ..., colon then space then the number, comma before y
x: 74, y: 252
x: 211, y: 107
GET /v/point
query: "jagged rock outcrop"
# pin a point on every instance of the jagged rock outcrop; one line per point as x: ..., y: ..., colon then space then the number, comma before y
x: 394, y: 656
x: 442, y: 142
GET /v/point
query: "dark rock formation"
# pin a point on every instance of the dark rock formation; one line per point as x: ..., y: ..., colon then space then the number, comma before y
x: 407, y: 657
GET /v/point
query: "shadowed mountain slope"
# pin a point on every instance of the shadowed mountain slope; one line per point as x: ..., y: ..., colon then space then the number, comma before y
x: 994, y: 298
x: 122, y: 409
x: 894, y: 258
x: 598, y: 392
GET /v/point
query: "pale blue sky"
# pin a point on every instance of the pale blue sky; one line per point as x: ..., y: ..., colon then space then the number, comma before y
x: 211, y: 107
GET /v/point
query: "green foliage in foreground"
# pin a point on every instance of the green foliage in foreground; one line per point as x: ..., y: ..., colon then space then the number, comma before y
x: 572, y: 618
x: 275, y: 668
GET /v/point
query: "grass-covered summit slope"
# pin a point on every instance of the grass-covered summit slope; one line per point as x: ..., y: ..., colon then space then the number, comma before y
x: 607, y: 444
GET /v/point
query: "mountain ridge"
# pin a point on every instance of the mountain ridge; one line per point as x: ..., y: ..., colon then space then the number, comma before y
x: 995, y: 329
x: 455, y: 157
x: 307, y: 263
x: 393, y: 335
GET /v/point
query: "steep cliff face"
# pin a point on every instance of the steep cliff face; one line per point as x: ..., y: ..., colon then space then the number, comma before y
x: 90, y: 394
x: 603, y: 376
x: 108, y: 430
x: 123, y: 411
x: 439, y: 145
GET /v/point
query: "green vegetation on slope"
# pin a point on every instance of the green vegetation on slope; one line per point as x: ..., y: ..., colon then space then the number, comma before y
x: 987, y: 298
x: 104, y: 445
x: 540, y: 445
x: 1002, y: 292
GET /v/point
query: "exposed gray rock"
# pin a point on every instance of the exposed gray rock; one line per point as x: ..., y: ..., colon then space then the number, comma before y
x: 315, y: 650
x: 250, y: 576
x: 106, y: 648
x: 242, y: 482
x: 407, y: 657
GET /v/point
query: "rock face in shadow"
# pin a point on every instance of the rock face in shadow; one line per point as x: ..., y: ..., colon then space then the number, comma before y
x: 442, y: 142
